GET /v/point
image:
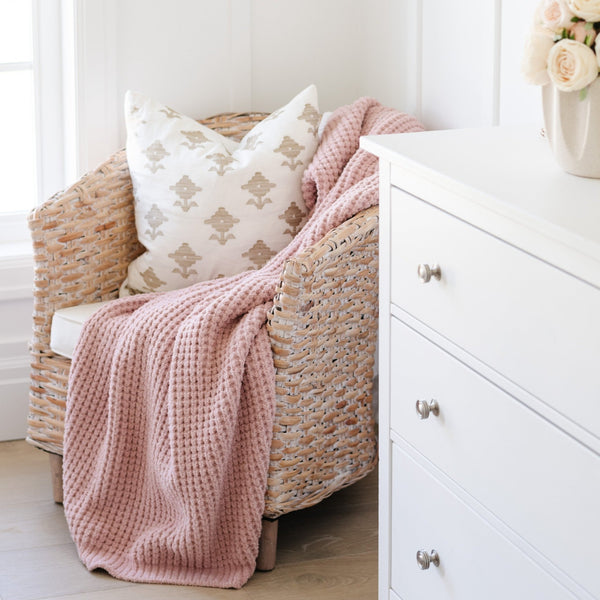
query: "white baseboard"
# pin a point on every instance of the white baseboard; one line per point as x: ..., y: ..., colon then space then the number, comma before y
x: 16, y: 274
x: 16, y: 277
x: 14, y: 391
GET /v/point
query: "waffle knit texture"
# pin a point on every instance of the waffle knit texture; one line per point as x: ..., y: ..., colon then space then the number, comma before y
x: 171, y: 398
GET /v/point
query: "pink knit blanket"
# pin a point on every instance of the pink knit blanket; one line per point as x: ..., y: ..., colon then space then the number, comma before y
x: 171, y: 399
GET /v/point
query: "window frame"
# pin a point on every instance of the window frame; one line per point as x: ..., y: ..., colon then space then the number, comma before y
x: 47, y: 67
x: 77, y: 112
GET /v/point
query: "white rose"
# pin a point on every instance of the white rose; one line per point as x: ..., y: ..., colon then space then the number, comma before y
x: 586, y: 9
x: 598, y: 54
x: 534, y: 65
x: 556, y: 14
x: 572, y: 65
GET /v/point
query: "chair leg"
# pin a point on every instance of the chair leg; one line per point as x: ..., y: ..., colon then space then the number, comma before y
x: 56, y: 471
x: 267, y: 546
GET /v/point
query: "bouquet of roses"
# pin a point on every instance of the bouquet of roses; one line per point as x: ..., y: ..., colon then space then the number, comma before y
x: 562, y: 48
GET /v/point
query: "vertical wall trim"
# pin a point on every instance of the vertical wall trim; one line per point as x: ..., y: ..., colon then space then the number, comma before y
x: 240, y: 31
x: 69, y: 89
x: 93, y: 121
x: 112, y: 102
x: 79, y: 85
x: 419, y: 54
x: 47, y: 67
x: 497, y: 62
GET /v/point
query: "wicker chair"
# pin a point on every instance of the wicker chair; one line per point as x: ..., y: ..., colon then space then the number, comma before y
x: 322, y: 329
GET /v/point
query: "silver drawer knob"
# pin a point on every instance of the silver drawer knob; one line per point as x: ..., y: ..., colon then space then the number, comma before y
x: 426, y: 272
x: 424, y: 560
x: 424, y: 409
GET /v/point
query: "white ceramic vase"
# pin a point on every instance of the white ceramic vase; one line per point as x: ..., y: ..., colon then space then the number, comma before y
x: 573, y: 128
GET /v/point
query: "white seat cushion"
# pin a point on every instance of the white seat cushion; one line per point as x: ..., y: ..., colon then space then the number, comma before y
x: 67, y: 324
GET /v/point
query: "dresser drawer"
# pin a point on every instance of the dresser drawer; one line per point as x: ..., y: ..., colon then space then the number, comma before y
x: 538, y: 480
x: 475, y: 561
x: 534, y: 324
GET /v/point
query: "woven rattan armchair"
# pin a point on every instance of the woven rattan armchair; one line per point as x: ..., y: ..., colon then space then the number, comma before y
x: 322, y: 329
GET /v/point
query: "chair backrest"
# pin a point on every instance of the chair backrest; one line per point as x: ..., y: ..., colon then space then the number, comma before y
x: 234, y: 125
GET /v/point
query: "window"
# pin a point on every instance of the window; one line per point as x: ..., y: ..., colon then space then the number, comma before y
x: 18, y: 185
x: 32, y: 155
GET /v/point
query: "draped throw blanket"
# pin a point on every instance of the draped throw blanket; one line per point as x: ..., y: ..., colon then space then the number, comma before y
x: 171, y: 399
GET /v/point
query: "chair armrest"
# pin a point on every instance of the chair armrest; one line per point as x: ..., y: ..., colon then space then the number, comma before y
x: 344, y: 262
x: 83, y: 240
x: 323, y: 331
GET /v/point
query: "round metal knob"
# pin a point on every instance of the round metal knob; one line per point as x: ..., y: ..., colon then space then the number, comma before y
x: 426, y: 272
x: 424, y: 560
x: 424, y: 409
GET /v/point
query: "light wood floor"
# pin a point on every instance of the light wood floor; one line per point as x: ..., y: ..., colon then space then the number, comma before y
x: 328, y: 551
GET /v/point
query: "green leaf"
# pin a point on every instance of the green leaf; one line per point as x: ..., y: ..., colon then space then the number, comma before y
x: 583, y: 93
x: 588, y: 40
x: 589, y: 26
x: 575, y: 19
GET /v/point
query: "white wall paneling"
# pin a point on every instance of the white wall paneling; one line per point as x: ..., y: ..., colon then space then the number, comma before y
x: 93, y: 25
x: 459, y: 64
x: 203, y: 57
x: 15, y: 325
x: 392, y: 53
x: 16, y: 283
x: 240, y: 54
x: 183, y: 53
x: 453, y: 64
x: 520, y: 102
x: 298, y: 43
x: 14, y: 386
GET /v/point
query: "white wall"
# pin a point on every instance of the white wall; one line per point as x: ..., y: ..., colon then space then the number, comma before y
x: 519, y: 102
x: 297, y: 43
x: 203, y: 57
x: 452, y: 63
x: 392, y: 53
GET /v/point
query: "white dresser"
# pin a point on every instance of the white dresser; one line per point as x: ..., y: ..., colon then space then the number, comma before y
x: 489, y: 369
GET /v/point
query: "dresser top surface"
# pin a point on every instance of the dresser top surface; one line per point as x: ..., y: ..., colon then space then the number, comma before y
x: 504, y: 171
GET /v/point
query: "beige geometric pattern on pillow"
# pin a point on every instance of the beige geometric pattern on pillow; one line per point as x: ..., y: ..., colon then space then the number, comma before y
x: 207, y: 206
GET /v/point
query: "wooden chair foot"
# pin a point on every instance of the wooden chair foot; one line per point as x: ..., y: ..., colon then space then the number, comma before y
x: 267, y: 546
x: 56, y: 471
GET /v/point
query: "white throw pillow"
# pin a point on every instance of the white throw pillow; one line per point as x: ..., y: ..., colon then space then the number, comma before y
x: 207, y: 206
